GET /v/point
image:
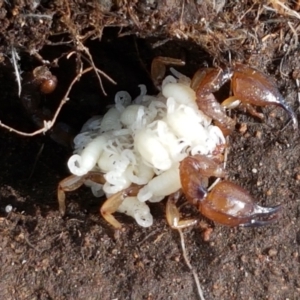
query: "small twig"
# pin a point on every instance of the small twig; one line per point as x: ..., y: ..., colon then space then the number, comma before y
x: 91, y: 61
x: 40, y: 58
x: 181, y: 15
x: 14, y: 58
x: 78, y: 41
x: 148, y: 236
x: 277, y: 5
x: 298, y: 97
x: 294, y: 31
x: 39, y: 16
x: 160, y: 43
x: 184, y: 252
x: 213, y: 184
x: 245, y: 13
x: 49, y: 124
x: 31, y: 245
x: 133, y: 16
x: 99, y: 71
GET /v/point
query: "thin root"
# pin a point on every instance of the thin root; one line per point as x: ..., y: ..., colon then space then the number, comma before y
x: 196, y: 278
x: 49, y: 124
x: 14, y: 59
x: 298, y: 97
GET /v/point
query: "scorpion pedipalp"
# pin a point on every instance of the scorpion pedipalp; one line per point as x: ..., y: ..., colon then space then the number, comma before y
x: 230, y: 204
x: 227, y: 203
x: 249, y: 86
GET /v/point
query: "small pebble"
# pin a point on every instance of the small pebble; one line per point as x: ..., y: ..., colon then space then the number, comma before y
x: 8, y: 208
x: 243, y: 128
x: 272, y: 252
x: 269, y: 192
x: 258, y: 134
x: 206, y: 234
x: 114, y: 251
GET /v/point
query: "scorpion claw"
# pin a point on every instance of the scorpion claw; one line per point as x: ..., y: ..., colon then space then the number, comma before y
x: 249, y: 86
x: 292, y: 115
x: 255, y: 88
x: 265, y: 216
x: 227, y: 203
x: 231, y: 205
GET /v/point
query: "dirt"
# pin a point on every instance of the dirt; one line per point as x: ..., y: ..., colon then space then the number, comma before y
x: 45, y: 256
x: 79, y: 256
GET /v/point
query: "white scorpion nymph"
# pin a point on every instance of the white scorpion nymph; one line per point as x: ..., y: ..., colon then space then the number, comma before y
x: 142, y: 142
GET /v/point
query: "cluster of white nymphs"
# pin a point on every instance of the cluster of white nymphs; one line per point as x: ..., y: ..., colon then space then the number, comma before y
x: 142, y: 142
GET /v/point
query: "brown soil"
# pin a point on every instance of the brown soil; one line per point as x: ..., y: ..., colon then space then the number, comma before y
x: 45, y: 256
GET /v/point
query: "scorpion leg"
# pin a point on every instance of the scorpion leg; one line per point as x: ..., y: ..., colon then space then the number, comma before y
x: 173, y: 214
x: 72, y: 183
x: 233, y: 102
x: 158, y: 67
x: 112, y: 204
x: 69, y: 184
